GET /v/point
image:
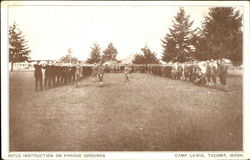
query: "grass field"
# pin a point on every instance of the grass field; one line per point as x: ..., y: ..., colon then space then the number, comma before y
x: 149, y: 113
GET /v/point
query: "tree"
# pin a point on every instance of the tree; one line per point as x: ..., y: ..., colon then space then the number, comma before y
x: 199, y: 42
x: 138, y: 59
x: 169, y: 52
x: 67, y: 59
x: 110, y: 53
x: 223, y: 33
x: 147, y: 57
x: 177, y: 44
x: 95, y: 54
x: 18, y: 49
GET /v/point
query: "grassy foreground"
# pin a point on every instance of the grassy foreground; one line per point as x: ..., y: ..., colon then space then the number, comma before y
x: 149, y: 113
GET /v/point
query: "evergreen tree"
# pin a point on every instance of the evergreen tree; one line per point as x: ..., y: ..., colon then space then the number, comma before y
x: 138, y: 59
x: 169, y: 52
x: 110, y: 53
x: 177, y: 44
x: 223, y: 33
x: 18, y: 49
x: 199, y: 42
x: 147, y: 57
x: 95, y: 54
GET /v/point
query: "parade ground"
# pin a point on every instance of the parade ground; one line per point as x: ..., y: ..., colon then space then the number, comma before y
x: 149, y: 113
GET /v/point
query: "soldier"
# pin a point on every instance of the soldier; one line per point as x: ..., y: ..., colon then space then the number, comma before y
x: 53, y: 74
x: 73, y: 72
x: 64, y: 74
x: 126, y: 72
x: 174, y: 70
x: 99, y: 73
x: 213, y: 72
x: 48, y: 79
x: 78, y: 74
x: 200, y: 74
x: 223, y: 72
x: 94, y: 74
x: 180, y: 71
x: 194, y: 71
x: 57, y: 73
x: 208, y: 73
x: 38, y: 76
x: 186, y: 71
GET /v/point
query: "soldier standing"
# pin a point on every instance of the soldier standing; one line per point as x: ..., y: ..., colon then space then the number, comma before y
x: 208, y: 73
x: 78, y: 73
x: 186, y: 71
x: 73, y: 73
x: 100, y: 71
x: 94, y: 74
x: 126, y: 72
x: 46, y: 74
x: 213, y: 72
x: 53, y: 74
x: 38, y: 76
x: 223, y: 72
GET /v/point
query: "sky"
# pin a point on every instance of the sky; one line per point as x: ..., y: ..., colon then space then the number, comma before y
x: 51, y: 30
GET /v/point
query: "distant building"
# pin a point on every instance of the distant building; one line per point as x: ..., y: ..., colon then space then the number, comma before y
x: 27, y: 65
x: 128, y: 59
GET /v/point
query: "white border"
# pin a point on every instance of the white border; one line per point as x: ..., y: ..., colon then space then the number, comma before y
x: 123, y: 155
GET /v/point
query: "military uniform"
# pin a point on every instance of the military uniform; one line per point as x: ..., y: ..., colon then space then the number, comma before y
x: 126, y: 72
x: 223, y: 72
x: 48, y: 78
x: 38, y: 77
x: 78, y: 73
x: 73, y: 73
x: 100, y: 70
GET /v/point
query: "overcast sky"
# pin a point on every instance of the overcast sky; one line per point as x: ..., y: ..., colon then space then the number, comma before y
x: 51, y: 30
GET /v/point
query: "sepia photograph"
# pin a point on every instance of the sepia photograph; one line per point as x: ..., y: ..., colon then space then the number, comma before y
x: 125, y: 77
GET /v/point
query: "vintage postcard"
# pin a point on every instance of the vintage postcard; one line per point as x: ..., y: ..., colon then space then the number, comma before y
x: 125, y: 80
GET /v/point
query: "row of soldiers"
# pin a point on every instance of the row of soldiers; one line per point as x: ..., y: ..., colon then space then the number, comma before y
x: 117, y: 68
x: 198, y: 72
x: 56, y: 74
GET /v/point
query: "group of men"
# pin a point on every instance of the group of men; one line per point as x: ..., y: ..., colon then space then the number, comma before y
x: 116, y: 68
x: 202, y: 72
x: 99, y: 69
x: 198, y: 72
x: 54, y: 74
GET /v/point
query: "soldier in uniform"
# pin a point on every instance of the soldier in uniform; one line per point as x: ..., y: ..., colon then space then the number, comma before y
x: 48, y: 79
x: 78, y: 74
x: 100, y: 71
x: 186, y: 71
x: 180, y: 71
x: 195, y: 69
x: 57, y: 73
x: 213, y: 72
x: 223, y: 72
x: 208, y: 73
x: 53, y: 74
x: 94, y: 74
x: 126, y: 72
x: 73, y: 72
x: 38, y: 76
x: 64, y: 74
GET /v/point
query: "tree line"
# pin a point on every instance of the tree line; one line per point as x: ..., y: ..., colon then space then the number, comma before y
x: 220, y: 36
